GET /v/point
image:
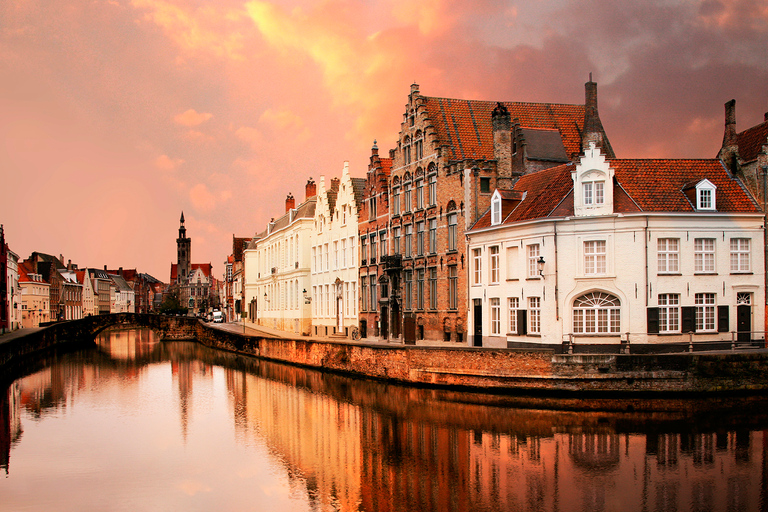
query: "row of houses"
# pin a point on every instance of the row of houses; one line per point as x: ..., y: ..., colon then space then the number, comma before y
x: 506, y: 224
x: 42, y: 289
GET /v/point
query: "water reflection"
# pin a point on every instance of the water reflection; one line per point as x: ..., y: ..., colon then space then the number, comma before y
x: 338, y: 443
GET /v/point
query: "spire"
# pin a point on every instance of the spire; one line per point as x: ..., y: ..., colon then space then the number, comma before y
x: 182, y: 217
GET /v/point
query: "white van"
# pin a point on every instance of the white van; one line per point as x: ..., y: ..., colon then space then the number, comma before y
x: 218, y: 317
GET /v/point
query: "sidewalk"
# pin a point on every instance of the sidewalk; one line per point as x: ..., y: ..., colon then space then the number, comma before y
x: 8, y: 336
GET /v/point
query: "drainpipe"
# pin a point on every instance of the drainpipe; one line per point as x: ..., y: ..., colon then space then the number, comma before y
x: 557, y: 284
x: 765, y: 255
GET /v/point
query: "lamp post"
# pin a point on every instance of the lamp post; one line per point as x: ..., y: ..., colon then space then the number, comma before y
x: 540, y: 263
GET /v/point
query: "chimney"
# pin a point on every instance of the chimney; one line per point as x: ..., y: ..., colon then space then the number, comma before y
x: 729, y: 137
x: 105, y: 268
x: 593, y: 128
x: 311, y: 189
x: 290, y: 203
x: 765, y: 117
x: 335, y: 183
x: 501, y: 121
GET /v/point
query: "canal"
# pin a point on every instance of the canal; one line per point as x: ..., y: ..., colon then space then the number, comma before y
x: 138, y: 424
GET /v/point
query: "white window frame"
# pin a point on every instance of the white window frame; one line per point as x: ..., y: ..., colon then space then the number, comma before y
x: 596, y: 313
x: 477, y: 259
x: 668, y: 255
x: 706, y: 312
x: 495, y: 304
x: 494, y: 257
x: 669, y: 312
x: 595, y: 257
x: 514, y: 307
x: 704, y: 255
x: 740, y: 255
x: 534, y: 315
x: 534, y: 251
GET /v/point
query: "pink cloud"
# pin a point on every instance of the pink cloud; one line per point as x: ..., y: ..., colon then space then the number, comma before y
x: 192, y: 118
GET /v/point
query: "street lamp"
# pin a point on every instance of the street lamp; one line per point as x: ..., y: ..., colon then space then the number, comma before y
x: 540, y: 264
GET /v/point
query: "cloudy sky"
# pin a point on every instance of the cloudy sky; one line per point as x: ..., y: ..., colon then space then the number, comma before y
x: 116, y: 115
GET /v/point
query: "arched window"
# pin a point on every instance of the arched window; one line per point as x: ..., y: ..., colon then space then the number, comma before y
x: 407, y: 150
x: 418, y: 145
x: 597, y: 313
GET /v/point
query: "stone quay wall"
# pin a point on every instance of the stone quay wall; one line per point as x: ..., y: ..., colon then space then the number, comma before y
x: 496, y: 370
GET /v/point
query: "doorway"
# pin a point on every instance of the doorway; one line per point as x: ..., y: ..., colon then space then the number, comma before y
x: 478, y: 321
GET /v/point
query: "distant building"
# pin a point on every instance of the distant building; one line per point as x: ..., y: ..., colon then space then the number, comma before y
x: 611, y: 251
x: 233, y: 279
x: 35, y: 296
x: 195, y: 282
x: 71, y: 295
x: 123, y: 299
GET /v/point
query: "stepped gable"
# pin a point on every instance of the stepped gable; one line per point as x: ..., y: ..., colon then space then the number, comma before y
x: 465, y: 126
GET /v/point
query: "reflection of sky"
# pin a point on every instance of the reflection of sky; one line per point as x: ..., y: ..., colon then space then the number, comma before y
x: 120, y: 447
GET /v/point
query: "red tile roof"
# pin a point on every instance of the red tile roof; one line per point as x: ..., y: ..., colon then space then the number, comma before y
x: 751, y: 141
x: 653, y: 185
x: 465, y: 125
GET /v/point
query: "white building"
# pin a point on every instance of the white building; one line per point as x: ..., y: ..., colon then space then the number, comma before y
x: 123, y: 298
x: 334, y: 255
x: 14, y: 291
x: 35, y: 297
x: 605, y: 251
x: 276, y: 267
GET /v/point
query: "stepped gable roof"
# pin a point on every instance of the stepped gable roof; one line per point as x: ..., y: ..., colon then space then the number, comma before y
x: 358, y: 187
x: 640, y: 185
x: 465, y: 125
x: 331, y: 194
x: 751, y: 141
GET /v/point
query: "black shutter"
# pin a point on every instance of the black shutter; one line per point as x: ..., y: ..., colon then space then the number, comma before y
x: 723, y: 320
x: 522, y: 322
x: 653, y: 320
x: 689, y: 318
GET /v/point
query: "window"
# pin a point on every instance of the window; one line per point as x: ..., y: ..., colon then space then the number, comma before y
x: 335, y: 255
x: 705, y: 199
x: 452, y: 231
x: 668, y: 254
x: 705, y: 312
x: 396, y: 201
x: 704, y: 254
x: 420, y: 238
x: 495, y: 316
x: 407, y: 241
x: 344, y: 253
x: 373, y: 247
x: 533, y: 260
x: 453, y: 286
x: 419, y: 194
x: 594, y: 257
x: 374, y: 297
x: 408, y: 289
x: 418, y: 146
x: 420, y: 288
x: 433, y: 236
x: 740, y: 255
x: 432, y: 288
x: 534, y: 315
x: 596, y: 313
x: 396, y: 240
x: 372, y: 208
x: 514, y: 307
x: 407, y: 197
x: 495, y: 209
x: 494, y: 264
x: 433, y: 189
x: 485, y: 185
x: 327, y: 253
x: 383, y: 243
x: 364, y: 249
x: 477, y: 260
x: 594, y: 193
x: 669, y: 312
x: 407, y: 151
x: 364, y: 293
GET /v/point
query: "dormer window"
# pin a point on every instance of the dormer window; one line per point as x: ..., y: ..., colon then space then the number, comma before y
x: 594, y: 193
x: 705, y: 195
x: 496, y: 208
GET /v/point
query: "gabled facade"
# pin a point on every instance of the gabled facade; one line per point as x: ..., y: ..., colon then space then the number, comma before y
x: 277, y: 268
x: 71, y: 295
x: 35, y: 296
x: 612, y: 252
x: 334, y: 255
x: 123, y: 299
x: 745, y: 153
x: 450, y: 156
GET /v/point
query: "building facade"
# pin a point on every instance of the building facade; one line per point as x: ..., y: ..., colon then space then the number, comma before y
x: 334, y: 255
x: 277, y: 268
x: 450, y: 156
x: 35, y: 297
x: 612, y: 252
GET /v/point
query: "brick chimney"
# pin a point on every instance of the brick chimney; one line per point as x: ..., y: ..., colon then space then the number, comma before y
x: 501, y: 121
x: 593, y: 128
x: 290, y: 203
x: 311, y: 189
x: 335, y: 183
x: 729, y: 136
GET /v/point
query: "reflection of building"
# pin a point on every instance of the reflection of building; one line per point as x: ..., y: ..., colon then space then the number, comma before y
x: 316, y: 436
x: 334, y: 255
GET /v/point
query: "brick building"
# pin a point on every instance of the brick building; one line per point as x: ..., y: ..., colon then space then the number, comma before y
x: 451, y: 154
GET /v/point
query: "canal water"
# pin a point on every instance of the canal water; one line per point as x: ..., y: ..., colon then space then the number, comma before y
x: 137, y: 424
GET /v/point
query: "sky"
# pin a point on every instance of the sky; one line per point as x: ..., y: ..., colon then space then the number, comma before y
x: 117, y: 115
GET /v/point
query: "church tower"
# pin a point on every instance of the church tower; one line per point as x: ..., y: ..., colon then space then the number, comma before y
x: 184, y: 253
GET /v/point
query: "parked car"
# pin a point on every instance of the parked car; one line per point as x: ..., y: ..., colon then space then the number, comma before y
x: 218, y: 317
